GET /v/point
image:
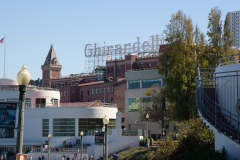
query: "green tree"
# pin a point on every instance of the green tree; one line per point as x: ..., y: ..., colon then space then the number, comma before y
x: 228, y: 41
x: 178, y: 66
x: 215, y: 35
x: 153, y: 105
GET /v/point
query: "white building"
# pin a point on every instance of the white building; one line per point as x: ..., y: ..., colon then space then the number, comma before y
x: 62, y: 121
x: 235, y: 25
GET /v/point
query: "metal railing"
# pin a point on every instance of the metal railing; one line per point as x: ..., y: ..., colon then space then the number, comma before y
x: 211, y: 104
x: 229, y: 59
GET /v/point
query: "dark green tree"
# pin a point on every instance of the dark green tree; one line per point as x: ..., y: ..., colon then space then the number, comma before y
x: 215, y: 35
x: 178, y: 66
x: 227, y: 37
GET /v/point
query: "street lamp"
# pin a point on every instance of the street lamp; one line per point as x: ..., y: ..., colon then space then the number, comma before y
x: 106, y: 121
x: 163, y: 132
x: 23, y: 78
x: 147, y: 116
x: 81, y: 134
x: 103, y: 130
x: 49, y: 148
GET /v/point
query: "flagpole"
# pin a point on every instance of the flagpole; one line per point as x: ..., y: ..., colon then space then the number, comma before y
x: 4, y: 76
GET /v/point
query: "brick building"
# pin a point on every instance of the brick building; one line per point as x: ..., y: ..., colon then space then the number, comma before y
x: 107, y: 84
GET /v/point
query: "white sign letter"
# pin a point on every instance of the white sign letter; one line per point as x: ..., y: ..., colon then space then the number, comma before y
x: 145, y: 44
x: 86, y: 50
x: 138, y: 43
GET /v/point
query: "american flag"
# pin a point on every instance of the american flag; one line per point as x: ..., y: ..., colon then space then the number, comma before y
x: 1, y: 41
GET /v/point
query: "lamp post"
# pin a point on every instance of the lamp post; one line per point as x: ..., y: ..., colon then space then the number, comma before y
x: 81, y: 134
x: 163, y: 132
x: 106, y: 121
x: 147, y: 116
x: 103, y: 130
x: 49, y: 148
x: 23, y: 78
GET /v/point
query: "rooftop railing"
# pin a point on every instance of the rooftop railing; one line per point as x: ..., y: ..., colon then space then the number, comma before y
x: 16, y: 88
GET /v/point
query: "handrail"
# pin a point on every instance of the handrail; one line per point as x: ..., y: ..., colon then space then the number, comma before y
x: 223, y: 120
x: 232, y: 59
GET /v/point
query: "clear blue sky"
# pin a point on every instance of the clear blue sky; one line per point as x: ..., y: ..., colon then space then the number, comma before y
x: 31, y: 26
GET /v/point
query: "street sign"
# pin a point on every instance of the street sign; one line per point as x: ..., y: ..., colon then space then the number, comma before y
x: 21, y: 156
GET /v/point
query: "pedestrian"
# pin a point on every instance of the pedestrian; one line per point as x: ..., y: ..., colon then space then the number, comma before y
x: 43, y: 157
x: 43, y: 145
x: 39, y: 158
x: 2, y: 157
x: 5, y: 156
x: 91, y: 157
x: 63, y: 157
x: 30, y: 158
x: 68, y: 158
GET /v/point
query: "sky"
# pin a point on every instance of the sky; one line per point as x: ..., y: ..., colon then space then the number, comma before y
x: 31, y: 27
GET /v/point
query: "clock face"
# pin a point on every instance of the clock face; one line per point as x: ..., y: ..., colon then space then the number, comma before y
x: 55, y: 74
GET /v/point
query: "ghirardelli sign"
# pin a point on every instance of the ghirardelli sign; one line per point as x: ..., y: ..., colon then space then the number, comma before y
x: 92, y: 50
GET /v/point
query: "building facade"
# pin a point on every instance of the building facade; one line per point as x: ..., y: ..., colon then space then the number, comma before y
x: 235, y: 26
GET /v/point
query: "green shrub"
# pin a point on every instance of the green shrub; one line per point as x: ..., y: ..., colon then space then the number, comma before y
x: 143, y: 141
x: 195, y: 141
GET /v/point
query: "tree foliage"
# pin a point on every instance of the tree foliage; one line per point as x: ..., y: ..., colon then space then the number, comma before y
x: 195, y: 141
x: 219, y: 37
x: 187, y: 49
x: 178, y: 66
x: 154, y: 107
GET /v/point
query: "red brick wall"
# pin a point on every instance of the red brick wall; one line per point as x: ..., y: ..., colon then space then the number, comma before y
x: 93, y: 97
x: 119, y: 95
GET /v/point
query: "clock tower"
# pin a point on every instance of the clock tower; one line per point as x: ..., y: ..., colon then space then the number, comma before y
x: 51, y: 68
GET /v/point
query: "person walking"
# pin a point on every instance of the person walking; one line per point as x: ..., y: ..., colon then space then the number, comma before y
x: 43, y: 157
x: 68, y: 158
x: 39, y: 158
x: 30, y: 158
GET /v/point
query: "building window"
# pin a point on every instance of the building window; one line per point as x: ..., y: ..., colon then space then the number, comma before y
x: 99, y: 90
x: 40, y: 102
x: 67, y: 93
x: 88, y: 92
x: 64, y: 127
x: 134, y: 104
x: 95, y: 90
x: 61, y: 93
x: 107, y: 89
x: 103, y: 90
x: 133, y: 84
x: 107, y: 100
x: 103, y: 100
x: 119, y: 69
x: 141, y: 66
x: 112, y: 89
x: 55, y: 102
x: 64, y: 93
x: 111, y: 99
x: 150, y: 82
x: 81, y: 94
x: 111, y: 69
x: 90, y: 124
x: 92, y: 91
x: 108, y: 69
x: 6, y: 133
x: 149, y: 66
x: 45, y: 127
